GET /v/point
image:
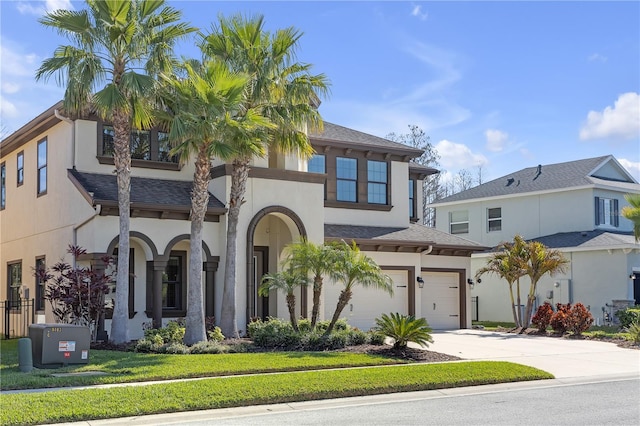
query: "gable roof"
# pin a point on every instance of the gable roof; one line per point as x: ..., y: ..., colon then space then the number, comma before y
x: 414, y: 238
x: 157, y: 198
x: 604, y: 170
x: 597, y: 239
x: 335, y: 135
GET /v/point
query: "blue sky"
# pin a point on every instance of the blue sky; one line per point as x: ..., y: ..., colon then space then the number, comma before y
x: 503, y: 85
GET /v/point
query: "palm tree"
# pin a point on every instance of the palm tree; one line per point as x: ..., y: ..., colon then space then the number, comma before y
x: 508, y: 264
x: 285, y: 92
x: 118, y: 47
x: 540, y: 260
x: 287, y: 281
x: 203, y: 110
x: 353, y: 267
x: 632, y: 212
x: 317, y: 259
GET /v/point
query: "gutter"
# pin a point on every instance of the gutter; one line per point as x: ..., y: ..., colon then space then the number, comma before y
x: 73, y: 135
x: 98, y: 209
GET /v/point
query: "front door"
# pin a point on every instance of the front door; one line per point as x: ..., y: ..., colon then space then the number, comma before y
x: 261, y: 267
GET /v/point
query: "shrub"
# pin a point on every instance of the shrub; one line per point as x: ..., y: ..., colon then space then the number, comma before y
x: 209, y: 347
x: 172, y: 333
x: 147, y: 345
x: 580, y: 319
x: 356, y: 337
x: 404, y: 329
x: 314, y: 341
x: 304, y: 325
x: 376, y: 338
x: 627, y: 316
x: 336, y: 340
x: 275, y: 333
x: 560, y: 319
x: 174, y: 348
x: 341, y: 325
x: 542, y: 318
x: 215, y: 335
x: 634, y: 331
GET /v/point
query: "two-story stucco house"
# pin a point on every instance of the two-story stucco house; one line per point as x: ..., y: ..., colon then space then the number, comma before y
x: 58, y: 188
x: 573, y: 207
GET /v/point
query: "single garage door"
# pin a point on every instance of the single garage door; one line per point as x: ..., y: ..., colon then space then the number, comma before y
x: 369, y: 303
x: 441, y: 300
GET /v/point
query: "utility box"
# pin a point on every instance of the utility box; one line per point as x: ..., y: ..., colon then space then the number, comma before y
x: 56, y: 345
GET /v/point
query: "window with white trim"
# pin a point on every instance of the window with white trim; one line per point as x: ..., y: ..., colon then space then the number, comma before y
x: 459, y: 222
x: 494, y: 219
x: 42, y: 167
x: 606, y: 212
x: 20, y: 167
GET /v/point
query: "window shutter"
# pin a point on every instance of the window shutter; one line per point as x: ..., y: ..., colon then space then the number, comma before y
x: 597, y: 211
x: 615, y: 214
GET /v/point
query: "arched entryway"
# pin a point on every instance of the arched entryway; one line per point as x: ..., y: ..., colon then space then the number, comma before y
x: 270, y: 230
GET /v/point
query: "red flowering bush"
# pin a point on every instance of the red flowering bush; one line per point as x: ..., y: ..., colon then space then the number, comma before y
x: 542, y: 318
x: 560, y: 319
x: 580, y: 319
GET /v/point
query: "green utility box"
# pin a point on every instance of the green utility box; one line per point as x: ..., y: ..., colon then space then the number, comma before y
x: 56, y: 345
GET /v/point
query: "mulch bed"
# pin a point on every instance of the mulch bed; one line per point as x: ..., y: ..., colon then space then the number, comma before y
x: 623, y: 343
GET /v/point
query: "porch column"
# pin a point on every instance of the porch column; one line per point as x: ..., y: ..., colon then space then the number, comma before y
x: 210, y: 269
x: 158, y: 269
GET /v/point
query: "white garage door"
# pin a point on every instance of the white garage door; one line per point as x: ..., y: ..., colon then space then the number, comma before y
x: 441, y: 300
x: 367, y: 304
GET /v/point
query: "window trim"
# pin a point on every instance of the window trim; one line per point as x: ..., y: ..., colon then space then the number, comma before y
x: 41, y: 192
x: 182, y: 309
x: 40, y: 286
x: 10, y: 288
x: 612, y: 213
x: 348, y: 180
x: 376, y: 182
x: 495, y: 219
x: 19, y: 168
x: 3, y: 185
x: 451, y: 222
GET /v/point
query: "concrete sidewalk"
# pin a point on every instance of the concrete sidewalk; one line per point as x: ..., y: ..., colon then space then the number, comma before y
x: 564, y: 358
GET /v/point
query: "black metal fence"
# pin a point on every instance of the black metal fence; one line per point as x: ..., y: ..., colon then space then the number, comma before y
x: 16, y: 317
x: 474, y: 308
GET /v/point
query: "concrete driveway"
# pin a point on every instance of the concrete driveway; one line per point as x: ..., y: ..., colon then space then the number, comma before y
x: 564, y: 358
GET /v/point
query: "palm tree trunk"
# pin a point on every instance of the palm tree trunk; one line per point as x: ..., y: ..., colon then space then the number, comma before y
x: 122, y: 161
x: 345, y: 296
x: 239, y: 176
x: 519, y: 322
x: 317, y: 290
x: 195, y: 328
x: 513, y: 306
x: 291, y: 304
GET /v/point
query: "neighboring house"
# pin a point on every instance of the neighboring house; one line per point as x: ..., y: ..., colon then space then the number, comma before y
x: 573, y: 207
x: 58, y: 188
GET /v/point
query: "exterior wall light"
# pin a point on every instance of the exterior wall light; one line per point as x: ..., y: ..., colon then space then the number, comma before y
x: 420, y: 282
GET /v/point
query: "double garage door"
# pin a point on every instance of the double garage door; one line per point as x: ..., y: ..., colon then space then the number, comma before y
x: 438, y: 302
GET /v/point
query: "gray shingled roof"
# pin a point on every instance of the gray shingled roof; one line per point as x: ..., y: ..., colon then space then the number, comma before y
x: 415, y: 233
x: 551, y: 176
x: 586, y: 239
x: 160, y: 192
x: 335, y: 133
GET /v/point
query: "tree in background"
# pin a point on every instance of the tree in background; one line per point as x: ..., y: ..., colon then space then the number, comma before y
x: 285, y: 92
x: 432, y: 189
x: 118, y: 47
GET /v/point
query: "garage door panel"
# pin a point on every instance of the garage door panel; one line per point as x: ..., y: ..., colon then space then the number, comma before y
x: 367, y: 304
x: 440, y: 299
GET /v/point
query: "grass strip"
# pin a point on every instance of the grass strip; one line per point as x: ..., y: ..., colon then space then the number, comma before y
x: 124, y: 367
x: 90, y: 404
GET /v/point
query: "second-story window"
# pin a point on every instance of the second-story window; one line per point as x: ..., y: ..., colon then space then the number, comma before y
x: 459, y: 222
x: 143, y: 144
x: 316, y: 164
x: 494, y: 219
x: 377, y: 182
x: 412, y: 198
x: 42, y: 167
x: 607, y: 212
x: 346, y: 179
x: 3, y: 188
x: 20, y: 164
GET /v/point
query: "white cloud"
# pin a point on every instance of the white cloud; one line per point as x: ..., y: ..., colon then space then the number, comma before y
x: 622, y: 121
x: 596, y: 57
x: 15, y: 63
x: 417, y: 12
x: 39, y: 9
x: 9, y: 88
x: 631, y: 166
x: 496, y: 140
x: 454, y: 156
x: 7, y: 109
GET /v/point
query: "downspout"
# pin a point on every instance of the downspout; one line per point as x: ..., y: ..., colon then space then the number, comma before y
x: 98, y: 209
x: 427, y: 251
x: 73, y: 135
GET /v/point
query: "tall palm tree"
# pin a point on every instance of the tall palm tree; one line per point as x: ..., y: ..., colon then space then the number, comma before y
x: 117, y: 49
x: 352, y: 267
x: 317, y: 260
x: 632, y: 212
x: 540, y: 261
x: 285, y: 91
x: 508, y: 264
x: 203, y: 109
x: 287, y: 281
